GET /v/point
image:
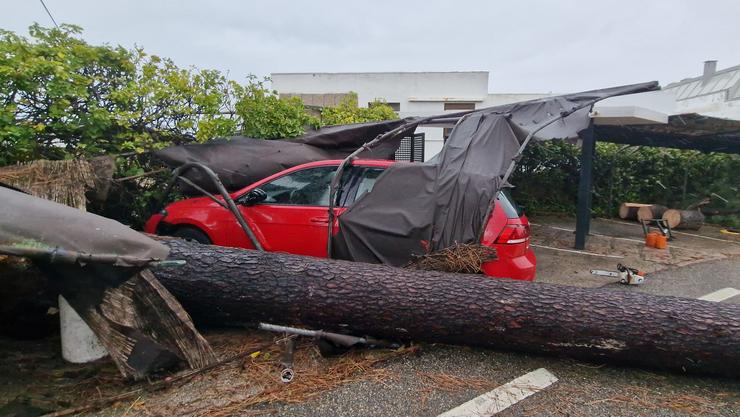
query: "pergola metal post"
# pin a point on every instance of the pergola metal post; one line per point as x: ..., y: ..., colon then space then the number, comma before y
x: 585, y: 185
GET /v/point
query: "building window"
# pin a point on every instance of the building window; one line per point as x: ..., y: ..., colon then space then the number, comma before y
x: 395, y: 106
x: 459, y: 106
x: 446, y: 133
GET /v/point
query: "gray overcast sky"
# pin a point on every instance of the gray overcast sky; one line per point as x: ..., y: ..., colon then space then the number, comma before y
x: 527, y: 46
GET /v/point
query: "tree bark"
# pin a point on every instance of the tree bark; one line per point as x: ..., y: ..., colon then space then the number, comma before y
x: 628, y: 211
x: 653, y: 211
x: 684, y: 219
x: 225, y: 286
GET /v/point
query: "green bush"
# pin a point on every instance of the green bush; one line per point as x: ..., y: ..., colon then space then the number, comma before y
x: 547, y: 177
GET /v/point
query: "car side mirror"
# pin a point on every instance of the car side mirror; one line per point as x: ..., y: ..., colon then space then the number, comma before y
x: 253, y: 197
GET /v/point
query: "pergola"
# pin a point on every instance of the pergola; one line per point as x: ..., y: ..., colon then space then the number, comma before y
x: 641, y: 127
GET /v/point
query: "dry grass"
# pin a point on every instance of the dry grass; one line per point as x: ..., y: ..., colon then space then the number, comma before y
x: 570, y: 400
x: 314, y: 375
x: 431, y: 381
x: 460, y: 257
x: 64, y: 182
x: 647, y: 399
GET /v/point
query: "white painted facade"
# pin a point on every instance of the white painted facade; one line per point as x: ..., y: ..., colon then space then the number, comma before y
x: 417, y: 93
x: 714, y: 93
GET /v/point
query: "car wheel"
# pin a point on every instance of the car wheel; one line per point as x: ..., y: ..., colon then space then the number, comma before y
x: 192, y: 234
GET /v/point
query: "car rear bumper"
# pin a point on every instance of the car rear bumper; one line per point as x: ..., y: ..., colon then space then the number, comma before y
x: 521, y: 268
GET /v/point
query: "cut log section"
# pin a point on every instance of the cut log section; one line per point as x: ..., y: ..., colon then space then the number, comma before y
x: 653, y: 211
x: 628, y: 211
x: 684, y: 219
x: 231, y: 286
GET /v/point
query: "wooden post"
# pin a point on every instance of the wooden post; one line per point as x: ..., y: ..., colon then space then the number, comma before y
x: 585, y: 183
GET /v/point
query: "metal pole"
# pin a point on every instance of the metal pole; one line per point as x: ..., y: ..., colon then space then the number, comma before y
x: 585, y: 184
x: 230, y: 205
x: 515, y: 158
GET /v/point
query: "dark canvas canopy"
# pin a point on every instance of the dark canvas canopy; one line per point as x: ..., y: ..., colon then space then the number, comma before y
x: 428, y: 206
x: 31, y: 222
x: 683, y: 131
x: 239, y: 161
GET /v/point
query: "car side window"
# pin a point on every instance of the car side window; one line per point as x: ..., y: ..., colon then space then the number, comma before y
x: 368, y: 181
x: 307, y: 187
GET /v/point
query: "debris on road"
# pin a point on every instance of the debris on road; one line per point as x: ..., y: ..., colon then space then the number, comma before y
x: 460, y: 258
x: 626, y: 275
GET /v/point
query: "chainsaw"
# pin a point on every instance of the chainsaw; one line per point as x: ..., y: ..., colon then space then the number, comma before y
x: 626, y: 275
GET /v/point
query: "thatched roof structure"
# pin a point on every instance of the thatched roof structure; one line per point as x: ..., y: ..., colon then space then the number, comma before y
x: 64, y: 182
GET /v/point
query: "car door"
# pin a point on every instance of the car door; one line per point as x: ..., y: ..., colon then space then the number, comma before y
x: 294, y: 216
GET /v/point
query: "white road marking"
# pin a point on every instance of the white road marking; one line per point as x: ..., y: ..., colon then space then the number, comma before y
x: 720, y: 295
x: 580, y: 252
x: 504, y: 396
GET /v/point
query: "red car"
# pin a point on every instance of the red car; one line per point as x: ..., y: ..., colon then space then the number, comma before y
x: 289, y: 214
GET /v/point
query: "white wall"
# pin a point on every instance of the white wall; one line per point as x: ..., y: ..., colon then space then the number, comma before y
x: 389, y: 86
x: 715, y: 105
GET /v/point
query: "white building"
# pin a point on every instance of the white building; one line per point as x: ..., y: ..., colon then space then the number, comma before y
x: 714, y: 93
x: 408, y: 93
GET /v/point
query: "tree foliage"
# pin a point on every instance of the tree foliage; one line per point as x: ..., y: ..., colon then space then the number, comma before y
x: 263, y: 114
x: 348, y: 112
x: 61, y: 97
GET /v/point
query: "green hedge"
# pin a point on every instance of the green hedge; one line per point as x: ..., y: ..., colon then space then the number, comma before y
x: 547, y: 178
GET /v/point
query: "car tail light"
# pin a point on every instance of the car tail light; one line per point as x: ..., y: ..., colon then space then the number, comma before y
x: 514, y: 233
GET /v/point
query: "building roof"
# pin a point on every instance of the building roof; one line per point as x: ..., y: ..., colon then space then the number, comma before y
x: 727, y: 79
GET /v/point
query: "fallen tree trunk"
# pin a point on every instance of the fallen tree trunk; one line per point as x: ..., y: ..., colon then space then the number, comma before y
x: 230, y: 286
x: 684, y: 219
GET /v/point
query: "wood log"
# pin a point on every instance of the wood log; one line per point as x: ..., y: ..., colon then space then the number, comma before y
x: 628, y: 211
x: 653, y: 211
x: 231, y: 286
x: 684, y: 219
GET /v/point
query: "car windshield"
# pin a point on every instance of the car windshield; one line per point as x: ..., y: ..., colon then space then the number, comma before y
x: 508, y: 205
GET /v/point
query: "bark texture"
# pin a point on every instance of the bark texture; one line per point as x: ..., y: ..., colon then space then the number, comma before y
x: 230, y: 286
x: 684, y: 219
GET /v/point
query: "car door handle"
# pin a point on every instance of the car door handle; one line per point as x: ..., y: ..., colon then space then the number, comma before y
x: 324, y: 220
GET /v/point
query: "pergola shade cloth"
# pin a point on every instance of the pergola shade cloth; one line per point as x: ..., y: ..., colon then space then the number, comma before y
x: 28, y: 222
x: 240, y: 161
x: 421, y: 207
x: 684, y: 131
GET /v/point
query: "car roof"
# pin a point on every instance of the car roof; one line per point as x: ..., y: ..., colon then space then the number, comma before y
x: 359, y: 162
x: 380, y: 163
